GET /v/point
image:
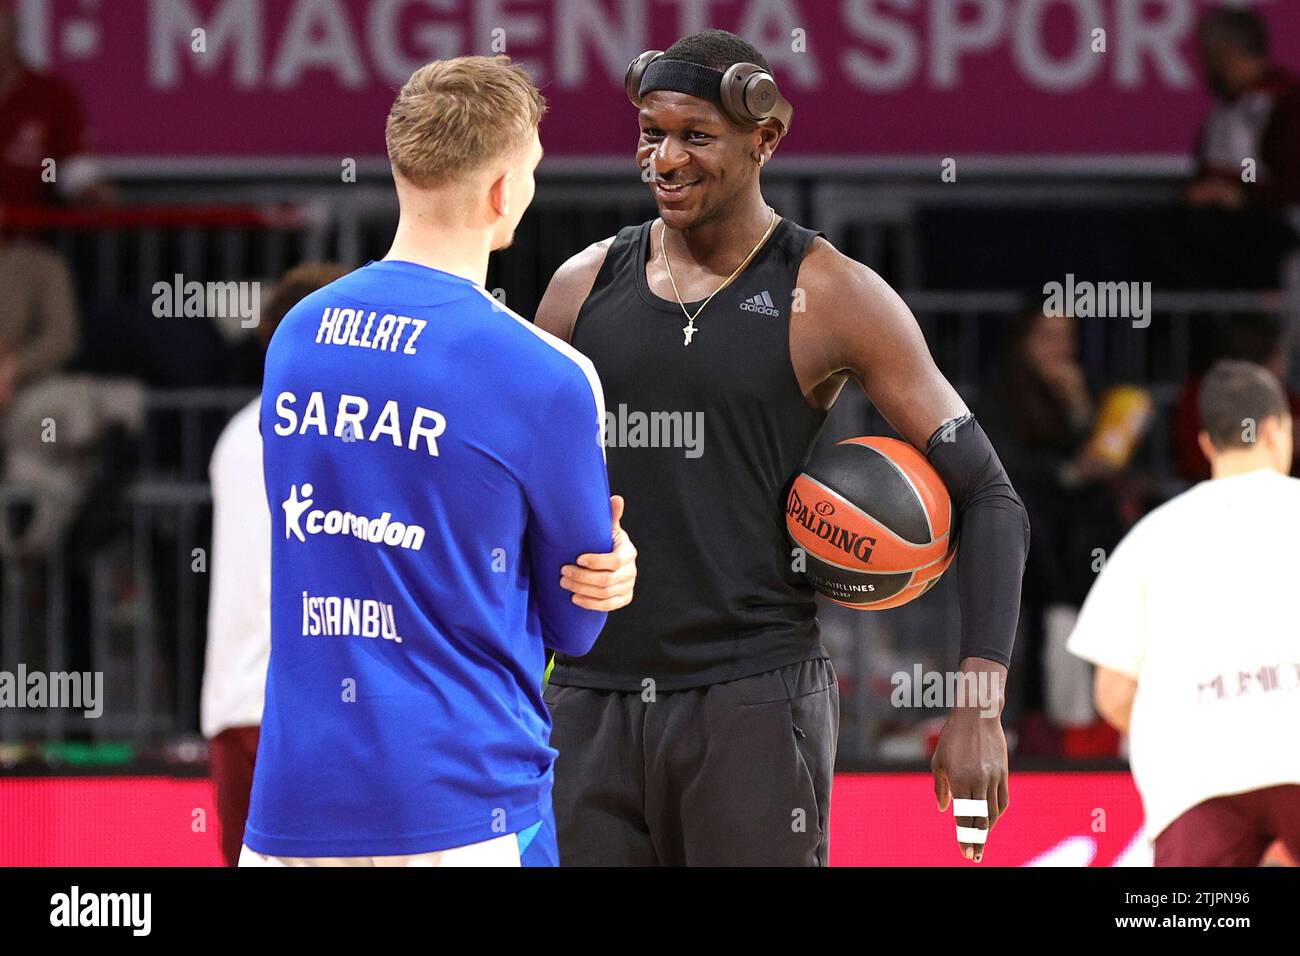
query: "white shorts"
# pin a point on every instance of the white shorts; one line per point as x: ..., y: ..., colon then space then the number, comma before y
x: 499, y: 851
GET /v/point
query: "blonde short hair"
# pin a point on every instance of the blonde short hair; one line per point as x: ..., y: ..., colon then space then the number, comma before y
x: 454, y: 116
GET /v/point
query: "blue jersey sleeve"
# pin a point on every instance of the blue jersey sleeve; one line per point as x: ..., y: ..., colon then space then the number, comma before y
x: 568, y: 497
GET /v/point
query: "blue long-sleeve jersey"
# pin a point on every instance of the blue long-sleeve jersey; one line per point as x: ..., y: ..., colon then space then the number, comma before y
x: 431, y: 459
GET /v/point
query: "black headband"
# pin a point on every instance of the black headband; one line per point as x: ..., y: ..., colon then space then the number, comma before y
x: 682, y: 77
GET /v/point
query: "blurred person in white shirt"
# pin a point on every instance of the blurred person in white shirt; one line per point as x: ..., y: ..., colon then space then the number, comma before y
x: 39, y: 325
x: 1194, y: 628
x: 239, y: 614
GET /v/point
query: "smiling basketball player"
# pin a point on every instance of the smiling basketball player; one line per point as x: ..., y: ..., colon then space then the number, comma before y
x: 702, y: 728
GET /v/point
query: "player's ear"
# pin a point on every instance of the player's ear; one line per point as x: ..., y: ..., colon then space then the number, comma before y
x: 1287, y: 442
x: 499, y: 194
x: 768, y: 134
x: 1206, y: 446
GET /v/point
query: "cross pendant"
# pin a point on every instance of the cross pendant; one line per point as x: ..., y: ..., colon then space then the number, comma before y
x: 689, y: 330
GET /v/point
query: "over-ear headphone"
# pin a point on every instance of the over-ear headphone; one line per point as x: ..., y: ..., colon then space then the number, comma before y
x: 746, y: 92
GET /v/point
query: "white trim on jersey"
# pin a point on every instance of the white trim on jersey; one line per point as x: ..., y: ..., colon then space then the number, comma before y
x: 565, y: 349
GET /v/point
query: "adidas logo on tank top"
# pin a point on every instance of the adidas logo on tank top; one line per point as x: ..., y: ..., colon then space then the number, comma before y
x: 761, y: 303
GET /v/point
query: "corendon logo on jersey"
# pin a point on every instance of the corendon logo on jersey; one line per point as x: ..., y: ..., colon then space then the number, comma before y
x: 300, y: 520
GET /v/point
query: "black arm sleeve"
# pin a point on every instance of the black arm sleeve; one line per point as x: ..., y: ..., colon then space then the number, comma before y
x: 993, y: 536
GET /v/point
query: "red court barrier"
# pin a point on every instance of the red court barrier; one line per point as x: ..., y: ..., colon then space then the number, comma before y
x: 885, y: 819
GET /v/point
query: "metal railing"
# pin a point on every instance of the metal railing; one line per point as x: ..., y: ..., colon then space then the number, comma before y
x: 182, y: 427
x: 283, y: 222
x: 120, y: 252
x: 123, y: 252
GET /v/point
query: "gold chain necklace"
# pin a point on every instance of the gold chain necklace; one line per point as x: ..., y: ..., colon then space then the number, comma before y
x: 689, y: 328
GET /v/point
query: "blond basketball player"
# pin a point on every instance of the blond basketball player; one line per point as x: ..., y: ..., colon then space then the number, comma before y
x: 432, y: 462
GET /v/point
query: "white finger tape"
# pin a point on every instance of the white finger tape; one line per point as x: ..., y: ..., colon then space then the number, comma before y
x: 971, y: 835
x: 969, y: 808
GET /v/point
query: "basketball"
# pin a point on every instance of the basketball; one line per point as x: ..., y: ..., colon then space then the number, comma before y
x: 874, y: 521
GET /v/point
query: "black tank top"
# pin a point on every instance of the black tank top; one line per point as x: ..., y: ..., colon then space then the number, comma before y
x: 703, y: 442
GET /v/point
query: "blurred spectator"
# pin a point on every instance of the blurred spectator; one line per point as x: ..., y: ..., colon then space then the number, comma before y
x: 1233, y: 233
x: 239, y: 606
x: 41, y: 118
x: 38, y: 316
x: 61, y: 436
x: 1256, y: 116
x: 1257, y: 339
x: 67, y: 437
x: 1040, y: 413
